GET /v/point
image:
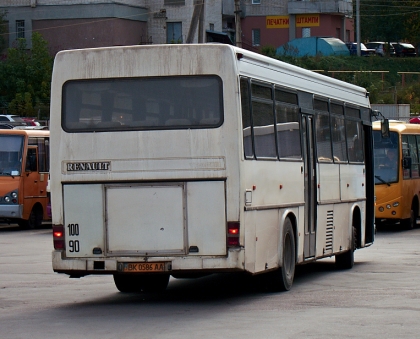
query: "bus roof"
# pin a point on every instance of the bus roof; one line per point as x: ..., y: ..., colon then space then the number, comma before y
x: 398, y: 126
x: 84, y: 64
x: 28, y: 132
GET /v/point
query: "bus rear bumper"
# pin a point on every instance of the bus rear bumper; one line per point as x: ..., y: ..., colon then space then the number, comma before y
x: 11, y: 211
x: 78, y: 267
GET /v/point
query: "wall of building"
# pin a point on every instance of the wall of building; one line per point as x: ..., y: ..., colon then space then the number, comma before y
x: 82, y: 33
x: 82, y: 13
x: 329, y: 25
x: 93, y: 23
x: 160, y: 14
x: 34, y: 3
x: 266, y: 7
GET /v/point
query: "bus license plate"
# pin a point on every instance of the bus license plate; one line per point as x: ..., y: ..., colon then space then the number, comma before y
x: 142, y: 267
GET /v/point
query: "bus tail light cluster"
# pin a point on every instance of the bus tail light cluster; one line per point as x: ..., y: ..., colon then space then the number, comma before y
x: 233, y: 234
x: 58, y: 237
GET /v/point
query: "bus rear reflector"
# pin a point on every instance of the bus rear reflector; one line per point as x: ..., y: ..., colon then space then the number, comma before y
x: 233, y: 234
x: 58, y: 237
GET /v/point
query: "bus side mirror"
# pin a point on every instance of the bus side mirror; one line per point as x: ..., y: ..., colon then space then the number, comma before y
x: 385, y: 128
x: 407, y: 163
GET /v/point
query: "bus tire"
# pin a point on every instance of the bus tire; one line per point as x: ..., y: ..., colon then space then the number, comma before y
x: 282, y: 278
x: 141, y: 283
x: 127, y: 283
x: 411, y: 222
x: 345, y: 261
x: 34, y: 220
x: 155, y: 283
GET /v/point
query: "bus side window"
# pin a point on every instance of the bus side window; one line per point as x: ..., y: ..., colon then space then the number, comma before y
x: 246, y: 120
x: 31, y: 163
x: 413, y: 155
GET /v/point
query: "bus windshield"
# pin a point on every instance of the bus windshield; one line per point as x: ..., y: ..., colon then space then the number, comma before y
x: 174, y: 102
x: 11, y: 148
x: 386, y: 157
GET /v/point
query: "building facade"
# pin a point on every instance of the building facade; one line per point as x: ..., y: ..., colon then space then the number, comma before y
x: 70, y: 24
x: 275, y: 22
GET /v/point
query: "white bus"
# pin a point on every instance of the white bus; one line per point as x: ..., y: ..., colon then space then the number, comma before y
x: 186, y: 160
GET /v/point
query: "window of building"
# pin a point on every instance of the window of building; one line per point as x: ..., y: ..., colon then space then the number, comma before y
x: 256, y: 2
x: 20, y: 29
x: 174, y: 2
x: 256, y: 37
x: 211, y: 27
x: 173, y: 32
x: 306, y: 32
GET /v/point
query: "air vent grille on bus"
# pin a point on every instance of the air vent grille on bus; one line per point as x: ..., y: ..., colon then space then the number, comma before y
x: 329, y: 232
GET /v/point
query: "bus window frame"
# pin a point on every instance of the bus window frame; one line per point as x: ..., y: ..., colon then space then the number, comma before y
x: 71, y: 126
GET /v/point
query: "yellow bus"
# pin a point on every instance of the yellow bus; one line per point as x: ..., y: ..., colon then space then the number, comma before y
x: 397, y: 178
x: 24, y: 168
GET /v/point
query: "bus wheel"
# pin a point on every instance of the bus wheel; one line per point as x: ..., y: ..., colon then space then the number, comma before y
x: 155, y: 283
x: 139, y: 283
x: 127, y: 283
x: 410, y: 223
x: 34, y: 221
x: 282, y: 278
x: 346, y: 260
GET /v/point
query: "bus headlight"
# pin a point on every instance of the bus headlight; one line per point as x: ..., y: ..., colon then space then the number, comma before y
x: 388, y: 206
x: 14, y: 195
x: 381, y: 209
x: 7, y: 199
x: 396, y: 204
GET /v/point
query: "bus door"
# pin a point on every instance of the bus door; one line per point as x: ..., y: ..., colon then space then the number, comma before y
x: 33, y: 186
x: 310, y: 185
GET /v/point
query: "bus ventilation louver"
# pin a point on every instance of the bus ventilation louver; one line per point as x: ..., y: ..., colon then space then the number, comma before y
x: 329, y: 232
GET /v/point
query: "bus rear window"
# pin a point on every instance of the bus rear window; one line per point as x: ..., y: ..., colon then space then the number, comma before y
x: 179, y: 102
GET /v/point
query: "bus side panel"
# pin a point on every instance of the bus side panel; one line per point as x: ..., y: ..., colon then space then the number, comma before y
x: 342, y: 230
x: 353, y: 182
x: 249, y: 225
x: 83, y: 206
x: 325, y: 230
x: 329, y: 182
x: 267, y: 240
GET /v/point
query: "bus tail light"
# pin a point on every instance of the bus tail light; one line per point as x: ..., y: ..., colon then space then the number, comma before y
x: 58, y: 237
x: 233, y: 234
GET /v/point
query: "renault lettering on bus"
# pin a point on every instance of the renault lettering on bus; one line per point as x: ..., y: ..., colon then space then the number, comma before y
x: 185, y: 160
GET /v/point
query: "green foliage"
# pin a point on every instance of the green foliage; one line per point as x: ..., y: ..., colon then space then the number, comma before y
x: 22, y: 104
x: 25, y: 78
x: 390, y: 20
x: 268, y: 51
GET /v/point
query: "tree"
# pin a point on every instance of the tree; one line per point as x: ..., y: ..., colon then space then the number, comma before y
x: 390, y: 20
x: 25, y: 78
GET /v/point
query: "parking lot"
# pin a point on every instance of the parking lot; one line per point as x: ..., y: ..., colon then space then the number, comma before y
x: 378, y: 298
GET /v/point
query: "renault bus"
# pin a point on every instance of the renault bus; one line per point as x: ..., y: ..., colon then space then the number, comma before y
x: 185, y: 160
